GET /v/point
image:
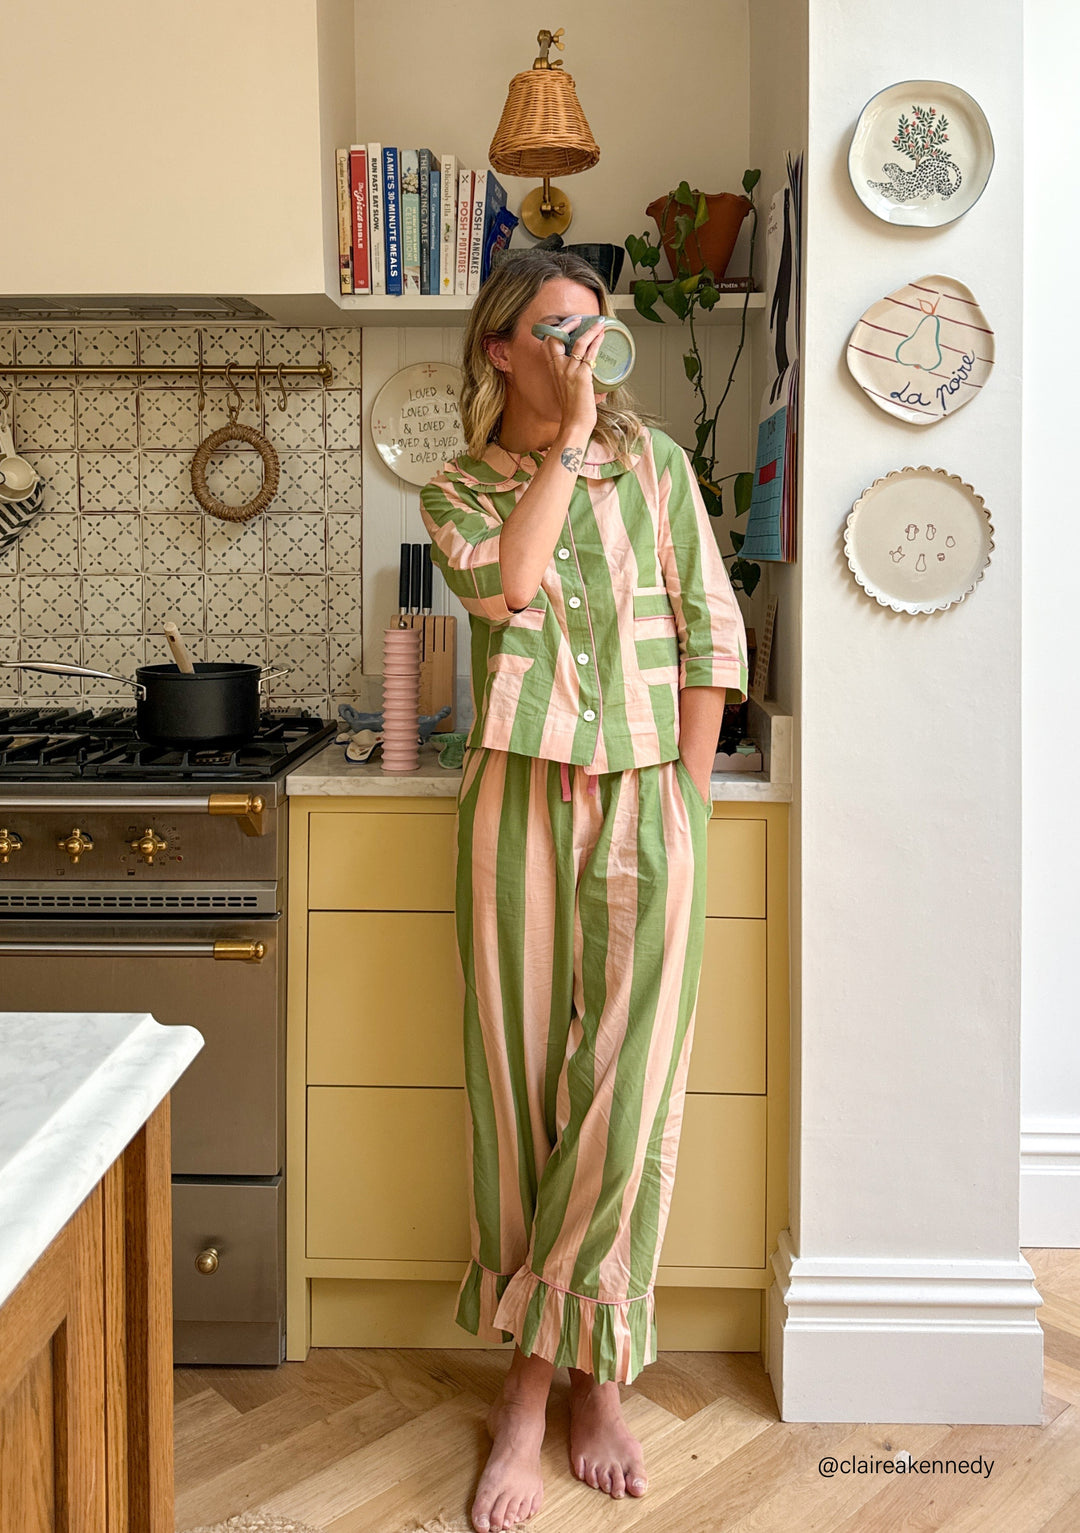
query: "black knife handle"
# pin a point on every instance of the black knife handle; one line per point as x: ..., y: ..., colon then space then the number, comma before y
x: 403, y: 580
x: 428, y: 572
x: 417, y: 582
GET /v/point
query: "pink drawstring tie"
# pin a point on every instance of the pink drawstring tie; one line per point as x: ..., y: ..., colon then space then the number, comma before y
x: 564, y: 774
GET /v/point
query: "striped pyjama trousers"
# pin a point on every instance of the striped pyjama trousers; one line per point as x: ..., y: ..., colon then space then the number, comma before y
x: 580, y: 910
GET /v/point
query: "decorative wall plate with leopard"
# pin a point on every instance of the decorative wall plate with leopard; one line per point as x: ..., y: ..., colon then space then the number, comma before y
x: 921, y: 153
x: 923, y: 352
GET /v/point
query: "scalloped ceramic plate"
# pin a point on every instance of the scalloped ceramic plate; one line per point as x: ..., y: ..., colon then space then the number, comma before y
x: 415, y: 422
x: 921, y: 153
x: 923, y: 352
x: 918, y: 539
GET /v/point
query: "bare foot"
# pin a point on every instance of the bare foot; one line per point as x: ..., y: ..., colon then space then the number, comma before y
x: 603, y: 1453
x: 511, y: 1489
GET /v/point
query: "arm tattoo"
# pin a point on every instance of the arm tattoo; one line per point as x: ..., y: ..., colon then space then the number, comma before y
x: 571, y: 458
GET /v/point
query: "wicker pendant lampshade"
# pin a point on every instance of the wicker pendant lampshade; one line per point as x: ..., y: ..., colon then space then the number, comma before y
x: 543, y: 132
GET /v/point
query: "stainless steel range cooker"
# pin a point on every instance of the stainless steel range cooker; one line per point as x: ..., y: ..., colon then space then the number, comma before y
x: 134, y: 878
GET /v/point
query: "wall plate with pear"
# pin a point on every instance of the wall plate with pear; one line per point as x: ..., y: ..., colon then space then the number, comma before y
x: 923, y: 352
x: 415, y: 421
x: 918, y: 539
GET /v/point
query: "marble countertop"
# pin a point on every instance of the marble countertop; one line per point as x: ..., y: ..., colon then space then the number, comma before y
x: 75, y: 1087
x: 328, y: 774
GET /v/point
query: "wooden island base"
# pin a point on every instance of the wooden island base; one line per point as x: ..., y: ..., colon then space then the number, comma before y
x: 86, y: 1439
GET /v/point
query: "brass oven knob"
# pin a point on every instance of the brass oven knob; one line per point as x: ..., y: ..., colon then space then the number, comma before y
x: 207, y: 1261
x: 10, y: 841
x: 75, y: 844
x: 148, y: 844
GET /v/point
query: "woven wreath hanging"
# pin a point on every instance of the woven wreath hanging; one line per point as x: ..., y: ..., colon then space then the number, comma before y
x: 235, y: 432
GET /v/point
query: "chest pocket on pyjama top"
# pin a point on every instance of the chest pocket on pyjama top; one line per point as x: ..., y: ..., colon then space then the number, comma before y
x: 656, y: 636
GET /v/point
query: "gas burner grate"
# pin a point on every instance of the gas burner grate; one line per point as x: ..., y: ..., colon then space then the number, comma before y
x: 63, y: 744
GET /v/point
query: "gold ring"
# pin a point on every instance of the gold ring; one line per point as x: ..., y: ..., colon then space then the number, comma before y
x: 591, y: 365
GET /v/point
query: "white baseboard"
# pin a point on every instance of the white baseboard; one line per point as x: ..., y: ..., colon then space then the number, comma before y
x: 856, y: 1339
x: 1050, y: 1182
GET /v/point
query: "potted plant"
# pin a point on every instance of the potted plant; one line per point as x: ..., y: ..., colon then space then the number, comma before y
x: 680, y: 217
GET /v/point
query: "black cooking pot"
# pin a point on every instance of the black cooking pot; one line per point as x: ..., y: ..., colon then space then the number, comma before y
x: 217, y: 707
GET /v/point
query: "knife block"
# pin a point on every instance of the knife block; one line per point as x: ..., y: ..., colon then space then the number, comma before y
x: 438, y: 664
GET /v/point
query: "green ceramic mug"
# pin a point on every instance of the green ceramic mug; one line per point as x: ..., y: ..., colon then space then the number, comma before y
x: 614, y: 360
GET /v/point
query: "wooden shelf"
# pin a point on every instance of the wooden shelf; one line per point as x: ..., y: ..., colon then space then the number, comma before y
x: 417, y: 310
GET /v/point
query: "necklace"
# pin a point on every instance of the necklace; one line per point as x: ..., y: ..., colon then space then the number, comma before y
x: 517, y: 457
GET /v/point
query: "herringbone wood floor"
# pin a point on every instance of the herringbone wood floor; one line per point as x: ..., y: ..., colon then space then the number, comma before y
x: 383, y: 1441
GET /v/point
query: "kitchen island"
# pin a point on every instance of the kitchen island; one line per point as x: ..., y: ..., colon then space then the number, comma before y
x: 85, y: 1270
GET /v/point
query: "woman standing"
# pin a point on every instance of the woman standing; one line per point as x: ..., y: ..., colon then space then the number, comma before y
x: 604, y: 635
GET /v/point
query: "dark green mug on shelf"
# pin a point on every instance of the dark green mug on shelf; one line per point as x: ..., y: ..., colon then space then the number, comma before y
x: 614, y: 360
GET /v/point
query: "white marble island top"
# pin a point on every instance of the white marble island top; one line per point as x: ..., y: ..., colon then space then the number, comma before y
x: 75, y: 1088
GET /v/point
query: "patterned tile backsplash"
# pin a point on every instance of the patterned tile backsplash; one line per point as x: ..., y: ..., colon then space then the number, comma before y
x: 124, y: 545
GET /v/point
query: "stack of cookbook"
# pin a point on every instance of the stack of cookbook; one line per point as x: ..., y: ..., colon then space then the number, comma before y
x: 414, y: 222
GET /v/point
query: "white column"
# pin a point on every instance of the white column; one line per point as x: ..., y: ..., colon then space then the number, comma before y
x: 1050, y: 1141
x: 900, y: 1291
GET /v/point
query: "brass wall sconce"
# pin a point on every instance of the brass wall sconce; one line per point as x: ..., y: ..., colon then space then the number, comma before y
x: 543, y: 132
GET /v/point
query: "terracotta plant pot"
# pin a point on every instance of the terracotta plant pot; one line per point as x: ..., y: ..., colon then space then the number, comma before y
x: 712, y: 244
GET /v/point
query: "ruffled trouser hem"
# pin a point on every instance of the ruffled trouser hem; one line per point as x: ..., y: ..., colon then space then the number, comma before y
x: 613, y: 1341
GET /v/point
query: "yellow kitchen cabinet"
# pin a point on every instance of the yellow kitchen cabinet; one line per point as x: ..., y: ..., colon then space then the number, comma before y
x: 377, y: 1194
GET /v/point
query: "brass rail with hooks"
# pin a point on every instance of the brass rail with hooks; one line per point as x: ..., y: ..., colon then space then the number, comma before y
x: 322, y: 370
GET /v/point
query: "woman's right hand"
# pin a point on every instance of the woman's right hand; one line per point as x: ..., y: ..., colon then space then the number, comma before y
x: 573, y: 377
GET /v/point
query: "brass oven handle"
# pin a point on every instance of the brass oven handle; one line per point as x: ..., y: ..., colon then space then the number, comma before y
x: 247, y: 952
x: 250, y: 809
x: 208, y: 1261
x: 227, y: 947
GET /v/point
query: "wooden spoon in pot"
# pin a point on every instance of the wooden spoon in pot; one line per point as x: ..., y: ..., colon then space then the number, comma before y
x: 179, y: 652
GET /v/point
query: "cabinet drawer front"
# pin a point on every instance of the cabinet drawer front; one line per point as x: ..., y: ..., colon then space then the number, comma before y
x: 387, y: 1178
x: 384, y: 999
x: 387, y: 1173
x: 372, y: 861
x: 717, y: 1215
x: 244, y: 1223
x: 728, y: 1053
x: 736, y: 884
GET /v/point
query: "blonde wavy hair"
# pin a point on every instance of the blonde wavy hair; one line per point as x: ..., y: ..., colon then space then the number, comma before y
x: 501, y: 301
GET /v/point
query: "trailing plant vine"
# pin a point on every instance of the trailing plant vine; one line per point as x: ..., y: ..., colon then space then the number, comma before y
x: 684, y: 295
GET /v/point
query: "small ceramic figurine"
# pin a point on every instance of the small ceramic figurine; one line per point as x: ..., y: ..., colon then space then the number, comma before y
x: 362, y: 732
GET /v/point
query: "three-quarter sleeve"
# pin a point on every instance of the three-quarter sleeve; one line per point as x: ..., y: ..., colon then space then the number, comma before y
x: 712, y: 634
x: 465, y: 546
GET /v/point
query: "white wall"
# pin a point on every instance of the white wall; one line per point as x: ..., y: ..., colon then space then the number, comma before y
x: 910, y: 725
x: 1050, y: 1183
x: 909, y: 836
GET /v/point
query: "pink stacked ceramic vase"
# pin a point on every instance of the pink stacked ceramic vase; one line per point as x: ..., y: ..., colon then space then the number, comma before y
x: 401, y: 700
